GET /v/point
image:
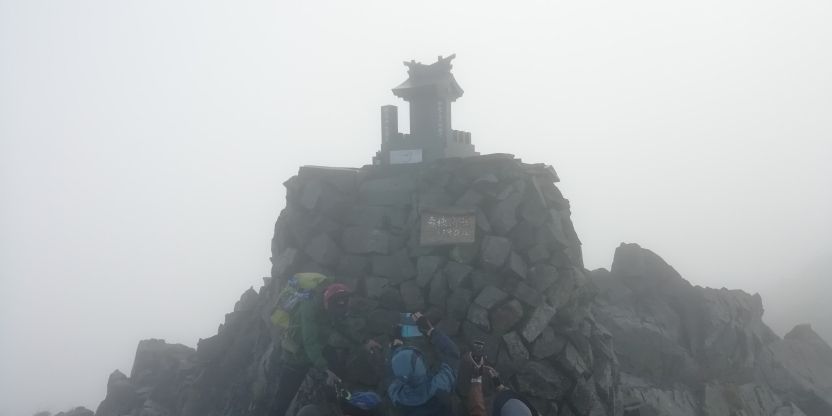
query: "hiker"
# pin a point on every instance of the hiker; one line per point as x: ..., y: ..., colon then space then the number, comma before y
x: 414, y: 391
x: 507, y: 402
x: 309, y: 319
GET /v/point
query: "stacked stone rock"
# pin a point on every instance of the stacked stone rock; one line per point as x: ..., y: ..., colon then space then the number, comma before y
x: 519, y: 287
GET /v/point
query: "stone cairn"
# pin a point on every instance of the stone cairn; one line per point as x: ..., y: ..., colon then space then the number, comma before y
x: 484, y: 245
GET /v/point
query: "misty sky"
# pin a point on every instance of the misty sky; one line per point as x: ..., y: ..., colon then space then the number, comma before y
x: 143, y: 145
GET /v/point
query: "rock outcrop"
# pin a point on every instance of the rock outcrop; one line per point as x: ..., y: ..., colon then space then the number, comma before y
x: 484, y: 244
x: 688, y: 350
x: 486, y: 247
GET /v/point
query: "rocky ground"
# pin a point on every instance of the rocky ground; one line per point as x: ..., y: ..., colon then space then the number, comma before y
x: 635, y: 340
x: 689, y: 350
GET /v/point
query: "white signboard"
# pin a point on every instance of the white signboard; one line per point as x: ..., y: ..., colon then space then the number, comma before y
x: 402, y: 157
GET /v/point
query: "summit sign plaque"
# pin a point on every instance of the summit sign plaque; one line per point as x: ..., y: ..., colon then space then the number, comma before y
x: 450, y: 226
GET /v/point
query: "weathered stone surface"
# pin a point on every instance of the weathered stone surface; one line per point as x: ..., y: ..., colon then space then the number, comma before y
x: 342, y: 179
x: 481, y: 278
x: 323, y: 250
x: 311, y: 194
x: 449, y: 326
x: 285, y: 262
x: 515, y: 346
x: 548, y: 344
x: 426, y: 267
x: 490, y: 296
x: 457, y: 303
x: 362, y: 240
x: 542, y: 277
x: 396, y: 267
x: 505, y: 317
x: 504, y: 214
x: 412, y: 296
x: 495, y: 251
x: 464, y: 253
x: 438, y: 290
x: 528, y: 294
x: 352, y: 265
x: 374, y: 286
x: 456, y: 273
x: 479, y: 317
x: 538, y: 321
x: 516, y: 267
x: 537, y: 253
x: 540, y: 380
x: 470, y: 199
x: 396, y: 190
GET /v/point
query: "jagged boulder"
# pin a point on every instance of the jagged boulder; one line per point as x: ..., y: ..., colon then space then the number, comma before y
x: 688, y: 350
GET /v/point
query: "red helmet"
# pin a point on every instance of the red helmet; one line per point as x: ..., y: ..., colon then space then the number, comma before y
x: 334, y: 290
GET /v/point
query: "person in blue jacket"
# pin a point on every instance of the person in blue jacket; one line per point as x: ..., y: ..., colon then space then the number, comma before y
x: 416, y: 391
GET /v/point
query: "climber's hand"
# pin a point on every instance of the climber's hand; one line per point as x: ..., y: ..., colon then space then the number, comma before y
x: 423, y: 323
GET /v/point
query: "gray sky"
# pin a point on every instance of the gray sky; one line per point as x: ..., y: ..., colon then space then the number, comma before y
x: 143, y: 145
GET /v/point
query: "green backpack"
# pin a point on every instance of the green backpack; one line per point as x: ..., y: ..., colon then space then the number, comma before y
x: 300, y: 287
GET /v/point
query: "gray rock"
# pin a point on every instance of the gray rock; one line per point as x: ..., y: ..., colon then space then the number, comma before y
x: 389, y: 191
x: 361, y: 240
x: 540, y: 380
x: 311, y: 193
x: 479, y: 317
x: 426, y: 267
x: 323, y: 250
x: 504, y: 214
x: 516, y: 349
x: 342, y: 179
x: 495, y: 251
x: 540, y: 318
x: 456, y: 273
x: 548, y: 344
x: 438, y: 290
x: 542, y: 277
x: 490, y: 296
x: 458, y: 303
x: 374, y: 286
x: 412, y: 296
x: 397, y: 267
x: 464, y: 253
x: 284, y: 264
x: 470, y: 199
x: 516, y: 267
x: 78, y: 411
x: 505, y: 317
x: 537, y: 253
x: 481, y: 278
x: 449, y: 326
x: 352, y: 266
x: 529, y: 295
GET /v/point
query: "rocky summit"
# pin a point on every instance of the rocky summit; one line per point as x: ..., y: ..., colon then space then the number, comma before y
x: 486, y: 247
x: 689, y: 350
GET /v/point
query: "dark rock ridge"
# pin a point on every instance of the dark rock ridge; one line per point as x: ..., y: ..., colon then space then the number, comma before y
x: 520, y: 286
x: 688, y: 350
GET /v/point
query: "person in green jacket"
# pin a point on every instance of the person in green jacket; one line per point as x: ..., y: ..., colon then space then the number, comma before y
x: 304, y: 345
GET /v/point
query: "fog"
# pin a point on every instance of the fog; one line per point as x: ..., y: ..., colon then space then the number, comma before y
x: 143, y: 145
